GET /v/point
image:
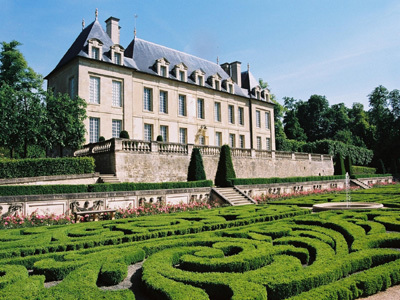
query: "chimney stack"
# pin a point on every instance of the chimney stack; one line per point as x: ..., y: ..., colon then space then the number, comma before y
x: 112, y: 28
x: 236, y: 72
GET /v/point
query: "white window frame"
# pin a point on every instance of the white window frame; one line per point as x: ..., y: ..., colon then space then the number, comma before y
x: 163, y: 102
x: 148, y: 132
x: 232, y: 140
x: 182, y: 106
x: 200, y: 108
x: 258, y: 119
x: 164, y: 132
x: 259, y: 145
x: 94, y: 90
x: 241, y: 115
x: 241, y: 141
x: 231, y: 114
x: 217, y: 111
x: 116, y: 93
x: 268, y: 143
x: 116, y: 128
x: 182, y: 135
x: 218, y: 139
x: 267, y: 120
x: 94, y: 130
x: 147, y: 99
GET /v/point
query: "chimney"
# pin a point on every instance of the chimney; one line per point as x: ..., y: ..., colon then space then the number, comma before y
x: 112, y: 29
x: 227, y: 68
x: 236, y: 72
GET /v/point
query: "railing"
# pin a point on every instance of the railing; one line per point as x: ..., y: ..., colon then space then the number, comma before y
x: 316, y: 157
x: 209, y: 150
x: 102, y: 147
x: 240, y: 152
x: 263, y: 153
x: 136, y: 146
x: 301, y: 156
x: 284, y: 155
x: 172, y: 148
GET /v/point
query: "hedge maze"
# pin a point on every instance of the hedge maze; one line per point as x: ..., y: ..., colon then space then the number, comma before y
x: 251, y: 252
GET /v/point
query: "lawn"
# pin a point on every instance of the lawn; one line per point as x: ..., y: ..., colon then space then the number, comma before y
x: 250, y: 252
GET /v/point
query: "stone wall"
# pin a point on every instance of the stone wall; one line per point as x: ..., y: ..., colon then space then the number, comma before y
x: 55, y: 179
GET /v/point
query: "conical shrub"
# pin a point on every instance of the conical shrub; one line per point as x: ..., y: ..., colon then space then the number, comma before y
x: 339, y: 165
x: 196, y: 167
x: 225, y: 169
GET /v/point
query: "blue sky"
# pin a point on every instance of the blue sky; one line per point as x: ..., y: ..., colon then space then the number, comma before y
x: 342, y: 49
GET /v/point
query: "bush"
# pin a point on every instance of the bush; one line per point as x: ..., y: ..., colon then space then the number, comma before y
x: 225, y: 169
x: 18, y: 168
x: 159, y: 138
x: 348, y: 165
x: 101, y: 139
x: 19, y: 190
x: 339, y: 165
x: 357, y: 170
x: 196, y: 167
x: 249, y: 181
x: 124, y: 134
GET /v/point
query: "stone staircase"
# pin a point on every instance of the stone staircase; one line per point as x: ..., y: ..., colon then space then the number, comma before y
x: 108, y: 178
x: 360, y: 184
x: 233, y: 196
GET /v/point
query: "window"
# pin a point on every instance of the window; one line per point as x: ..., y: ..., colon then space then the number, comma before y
x: 200, y: 108
x: 147, y: 99
x: 163, y: 102
x: 94, y: 130
x: 163, y: 71
x: 182, y: 135
x: 117, y: 58
x: 232, y: 140
x: 258, y: 119
x: 231, y: 114
x: 71, y: 87
x: 218, y: 139
x: 116, y: 94
x: 217, y: 85
x: 268, y: 140
x: 217, y: 112
x: 116, y: 128
x: 241, y: 115
x: 258, y: 143
x: 202, y: 140
x: 182, y: 76
x: 267, y: 120
x: 148, y: 132
x: 164, y: 133
x: 258, y: 95
x: 95, y: 52
x: 94, y: 90
x: 241, y: 141
x: 200, y: 80
x: 182, y: 105
x: 230, y: 88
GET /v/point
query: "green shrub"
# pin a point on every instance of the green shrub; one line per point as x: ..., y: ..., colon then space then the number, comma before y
x: 339, y: 165
x: 19, y: 190
x: 348, y: 165
x: 225, y: 168
x: 159, y: 138
x: 370, y: 176
x: 357, y: 170
x: 249, y: 181
x: 124, y: 134
x: 45, y: 167
x: 102, y: 139
x: 196, y: 168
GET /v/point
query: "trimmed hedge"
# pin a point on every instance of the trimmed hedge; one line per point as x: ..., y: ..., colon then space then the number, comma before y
x: 357, y: 170
x: 225, y: 169
x: 196, y: 167
x: 34, y: 167
x: 370, y: 176
x: 18, y: 190
x: 249, y: 181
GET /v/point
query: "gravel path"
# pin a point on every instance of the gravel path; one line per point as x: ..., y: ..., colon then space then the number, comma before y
x: 392, y: 293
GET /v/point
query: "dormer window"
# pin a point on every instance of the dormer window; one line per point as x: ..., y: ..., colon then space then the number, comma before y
x: 228, y: 85
x: 215, y: 81
x: 117, y: 54
x: 265, y: 95
x: 162, y: 67
x: 95, y: 48
x: 257, y: 92
x: 198, y: 77
x: 180, y: 72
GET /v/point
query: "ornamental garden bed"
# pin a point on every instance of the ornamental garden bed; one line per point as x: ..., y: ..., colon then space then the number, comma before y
x: 251, y: 252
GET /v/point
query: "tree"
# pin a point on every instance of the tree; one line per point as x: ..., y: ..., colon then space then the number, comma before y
x: 225, y: 168
x: 291, y: 122
x: 21, y: 98
x: 196, y: 167
x: 64, y: 121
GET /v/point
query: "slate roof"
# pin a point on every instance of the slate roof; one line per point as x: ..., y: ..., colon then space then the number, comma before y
x: 141, y: 55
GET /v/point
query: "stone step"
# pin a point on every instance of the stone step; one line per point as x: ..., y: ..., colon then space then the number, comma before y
x: 233, y: 196
x: 108, y: 178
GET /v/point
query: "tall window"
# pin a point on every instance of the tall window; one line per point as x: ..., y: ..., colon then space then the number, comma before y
x: 200, y: 108
x: 200, y: 80
x: 163, y: 102
x: 94, y: 93
x: 217, y: 85
x: 181, y: 76
x: 147, y: 99
x: 241, y: 141
x: 117, y: 58
x: 182, y: 135
x: 241, y: 115
x: 232, y: 140
x: 182, y: 105
x: 94, y: 130
x: 258, y: 143
x: 163, y: 71
x: 258, y: 119
x: 116, y: 93
x: 217, y: 112
x: 267, y: 120
x: 268, y: 140
x: 116, y: 128
x: 218, y: 139
x: 202, y: 140
x: 164, y: 133
x: 231, y: 114
x: 230, y: 88
x: 71, y: 87
x: 148, y: 132
x: 95, y: 52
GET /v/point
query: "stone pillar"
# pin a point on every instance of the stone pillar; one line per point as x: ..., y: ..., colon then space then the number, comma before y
x: 273, y: 154
x: 154, y: 147
x: 190, y: 149
x: 293, y: 156
x: 253, y: 152
x: 116, y: 144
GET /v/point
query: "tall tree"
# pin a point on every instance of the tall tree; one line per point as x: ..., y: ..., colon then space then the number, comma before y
x: 291, y: 123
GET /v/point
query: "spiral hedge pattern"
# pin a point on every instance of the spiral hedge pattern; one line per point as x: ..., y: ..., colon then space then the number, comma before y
x: 252, y: 252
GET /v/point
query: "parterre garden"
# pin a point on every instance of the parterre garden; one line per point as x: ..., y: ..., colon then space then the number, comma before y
x: 250, y: 252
